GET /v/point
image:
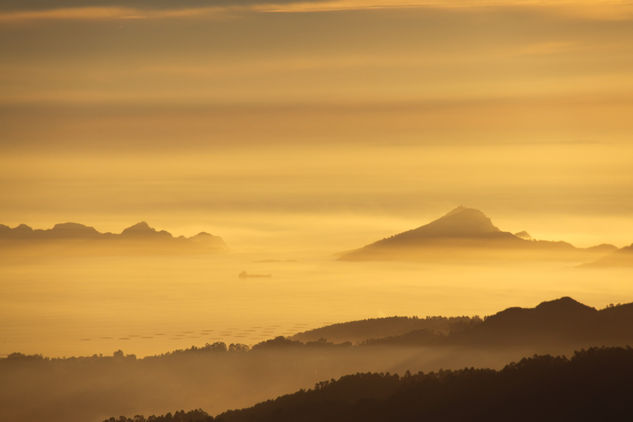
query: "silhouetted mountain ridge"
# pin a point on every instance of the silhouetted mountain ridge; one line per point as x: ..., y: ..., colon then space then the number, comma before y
x: 374, y: 328
x: 622, y: 257
x: 140, y: 232
x: 144, y: 229
x: 462, y: 232
x: 563, y: 322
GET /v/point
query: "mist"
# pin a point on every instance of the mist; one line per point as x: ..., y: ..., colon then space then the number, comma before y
x: 95, y: 388
x: 245, y: 171
x: 65, y: 306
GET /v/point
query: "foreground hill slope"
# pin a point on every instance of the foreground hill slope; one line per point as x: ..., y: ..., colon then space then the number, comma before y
x: 593, y: 385
x: 466, y: 232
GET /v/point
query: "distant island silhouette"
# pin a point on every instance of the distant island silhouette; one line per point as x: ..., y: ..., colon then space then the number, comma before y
x: 463, y: 233
x: 137, y: 235
x: 622, y: 257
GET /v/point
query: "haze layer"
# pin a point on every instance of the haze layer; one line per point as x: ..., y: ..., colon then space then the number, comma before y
x: 282, y: 122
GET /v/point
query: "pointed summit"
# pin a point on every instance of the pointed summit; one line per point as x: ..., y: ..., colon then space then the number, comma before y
x: 459, y: 210
x: 141, y: 226
x: 209, y: 239
x: 462, y: 233
x: 460, y: 222
x: 524, y: 235
x: 564, y: 304
x: 462, y: 228
x: 23, y: 228
x: 143, y: 229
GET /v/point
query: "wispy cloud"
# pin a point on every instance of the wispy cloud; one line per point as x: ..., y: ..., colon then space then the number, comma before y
x: 20, y: 10
x: 26, y: 5
x: 26, y: 10
x: 595, y: 9
x: 103, y: 13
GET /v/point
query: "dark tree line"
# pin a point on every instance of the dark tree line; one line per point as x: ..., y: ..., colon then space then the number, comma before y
x: 594, y: 384
x: 180, y: 416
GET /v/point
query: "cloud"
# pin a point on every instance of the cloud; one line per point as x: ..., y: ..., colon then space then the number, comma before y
x: 25, y: 10
x: 593, y: 9
x: 17, y: 10
x: 102, y: 13
x: 32, y: 5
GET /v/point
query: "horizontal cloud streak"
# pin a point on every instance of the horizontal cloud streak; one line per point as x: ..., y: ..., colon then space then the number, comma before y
x: 103, y: 13
x: 18, y: 10
x: 30, y: 5
x: 15, y: 10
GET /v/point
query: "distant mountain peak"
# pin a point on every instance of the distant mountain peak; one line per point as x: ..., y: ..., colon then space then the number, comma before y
x: 208, y: 238
x: 143, y: 229
x: 461, y: 221
x: 565, y: 303
x: 524, y: 235
x: 140, y: 226
x: 622, y: 257
x: 72, y: 226
x: 459, y: 210
x: 73, y: 230
x: 460, y: 226
x: 468, y: 232
x: 23, y: 228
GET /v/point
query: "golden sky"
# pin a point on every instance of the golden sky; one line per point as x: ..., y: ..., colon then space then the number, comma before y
x: 329, y: 122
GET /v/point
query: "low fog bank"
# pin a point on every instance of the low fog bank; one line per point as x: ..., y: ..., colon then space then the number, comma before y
x: 65, y: 306
x: 593, y: 384
x: 87, y: 389
x: 476, y: 253
x: 218, y: 377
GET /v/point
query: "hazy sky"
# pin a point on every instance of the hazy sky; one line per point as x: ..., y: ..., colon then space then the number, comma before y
x: 327, y: 122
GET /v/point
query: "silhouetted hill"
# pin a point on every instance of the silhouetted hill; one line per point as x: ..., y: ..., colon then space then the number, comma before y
x: 604, y: 248
x: 143, y: 230
x: 550, y: 325
x: 524, y: 235
x: 619, y: 258
x: 59, y: 231
x: 462, y: 232
x: 563, y: 321
x: 140, y: 233
x: 73, y: 230
x: 359, y: 331
x: 594, y: 384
